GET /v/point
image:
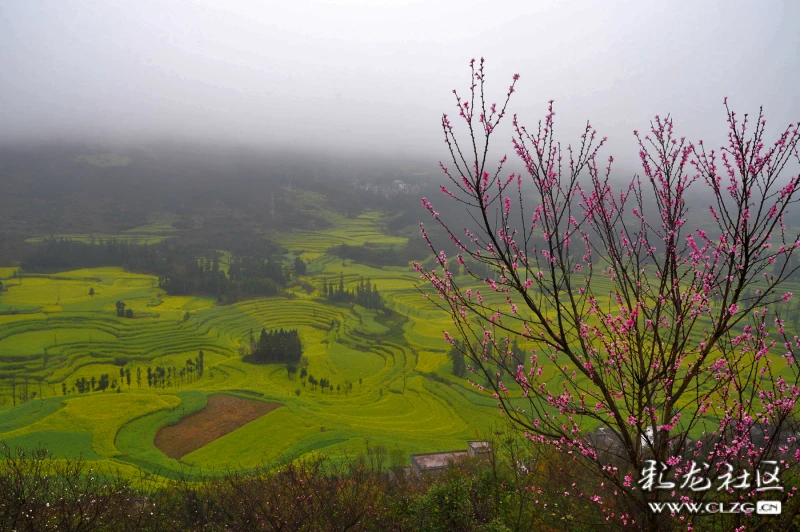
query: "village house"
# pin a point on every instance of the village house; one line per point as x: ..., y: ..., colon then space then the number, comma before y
x: 430, y: 463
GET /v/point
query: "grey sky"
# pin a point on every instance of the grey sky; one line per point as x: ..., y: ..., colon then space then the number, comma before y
x: 375, y: 75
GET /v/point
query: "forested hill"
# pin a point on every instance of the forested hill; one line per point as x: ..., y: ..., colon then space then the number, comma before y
x: 216, y: 197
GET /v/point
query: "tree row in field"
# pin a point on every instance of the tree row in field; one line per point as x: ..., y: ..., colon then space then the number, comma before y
x: 156, y: 377
x: 181, y: 269
x: 377, y: 256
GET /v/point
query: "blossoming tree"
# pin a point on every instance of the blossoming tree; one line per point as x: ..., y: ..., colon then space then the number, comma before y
x: 655, y: 348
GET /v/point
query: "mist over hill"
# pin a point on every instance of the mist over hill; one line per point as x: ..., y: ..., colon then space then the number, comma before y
x: 65, y: 188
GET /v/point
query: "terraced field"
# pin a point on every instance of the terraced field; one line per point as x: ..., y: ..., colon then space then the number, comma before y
x: 390, y: 379
x: 311, y: 244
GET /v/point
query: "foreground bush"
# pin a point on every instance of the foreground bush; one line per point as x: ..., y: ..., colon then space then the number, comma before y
x: 514, y: 490
x: 40, y: 492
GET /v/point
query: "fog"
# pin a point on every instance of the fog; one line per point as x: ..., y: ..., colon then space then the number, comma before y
x: 370, y: 76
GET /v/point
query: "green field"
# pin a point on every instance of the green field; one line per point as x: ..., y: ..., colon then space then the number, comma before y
x: 312, y: 244
x: 158, y: 227
x: 395, y: 387
x: 394, y: 380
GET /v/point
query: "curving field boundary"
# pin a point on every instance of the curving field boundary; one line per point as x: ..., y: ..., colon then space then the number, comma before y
x: 222, y: 415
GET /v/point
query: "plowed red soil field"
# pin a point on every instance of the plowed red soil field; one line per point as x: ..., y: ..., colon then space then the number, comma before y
x: 223, y: 414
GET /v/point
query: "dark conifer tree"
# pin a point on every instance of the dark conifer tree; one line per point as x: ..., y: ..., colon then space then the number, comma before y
x: 456, y: 355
